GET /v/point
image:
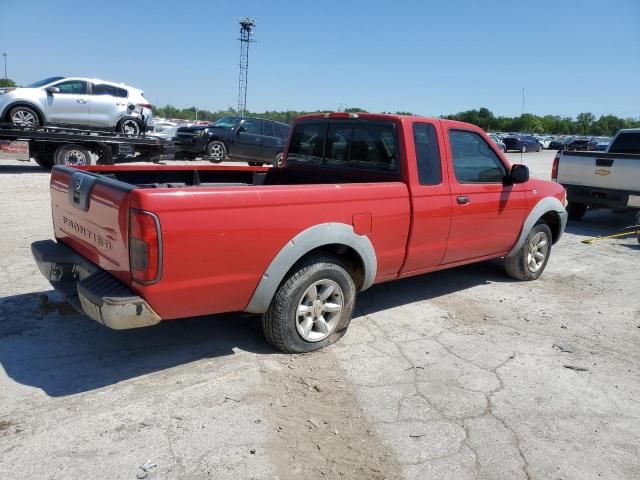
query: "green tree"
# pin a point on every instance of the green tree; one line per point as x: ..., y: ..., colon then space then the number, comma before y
x: 7, y: 82
x: 584, y: 122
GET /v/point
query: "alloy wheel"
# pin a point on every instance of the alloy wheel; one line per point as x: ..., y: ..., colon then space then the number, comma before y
x: 537, y: 251
x: 319, y: 309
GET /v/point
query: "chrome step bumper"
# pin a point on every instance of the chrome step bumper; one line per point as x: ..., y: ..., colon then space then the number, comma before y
x: 90, y: 289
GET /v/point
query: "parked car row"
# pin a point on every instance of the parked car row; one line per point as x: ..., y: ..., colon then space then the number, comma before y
x: 524, y: 142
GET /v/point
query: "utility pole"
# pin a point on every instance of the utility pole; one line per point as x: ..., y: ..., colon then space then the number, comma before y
x: 5, y: 65
x: 246, y: 30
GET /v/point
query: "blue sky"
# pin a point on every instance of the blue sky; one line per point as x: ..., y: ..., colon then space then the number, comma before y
x: 427, y: 57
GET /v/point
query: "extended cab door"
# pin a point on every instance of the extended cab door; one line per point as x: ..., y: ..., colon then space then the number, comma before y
x: 487, y: 214
x: 70, y: 105
x: 430, y: 198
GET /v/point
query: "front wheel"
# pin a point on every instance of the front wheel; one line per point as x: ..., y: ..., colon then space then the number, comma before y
x: 524, y: 149
x: 22, y: 116
x: 313, y: 306
x: 278, y: 160
x: 216, y: 151
x: 530, y: 261
x: 539, y: 148
x: 72, y: 155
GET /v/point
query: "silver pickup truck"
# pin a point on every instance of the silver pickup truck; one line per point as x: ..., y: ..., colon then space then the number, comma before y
x: 608, y: 179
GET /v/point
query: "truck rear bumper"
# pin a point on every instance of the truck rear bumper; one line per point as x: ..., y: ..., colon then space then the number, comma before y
x: 90, y: 289
x: 603, y: 197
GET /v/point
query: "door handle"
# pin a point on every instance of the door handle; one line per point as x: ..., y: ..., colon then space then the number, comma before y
x: 463, y: 200
x: 81, y: 100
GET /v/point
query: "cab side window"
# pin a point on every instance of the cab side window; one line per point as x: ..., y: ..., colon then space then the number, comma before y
x: 252, y: 126
x: 76, y: 87
x: 474, y: 161
x: 427, y: 154
x: 102, y: 89
x: 267, y: 129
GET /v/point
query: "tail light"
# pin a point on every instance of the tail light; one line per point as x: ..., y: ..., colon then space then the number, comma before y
x: 146, y: 105
x: 145, y: 247
x: 554, y: 168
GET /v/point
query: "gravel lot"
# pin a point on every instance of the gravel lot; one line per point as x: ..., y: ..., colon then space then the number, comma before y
x: 458, y: 374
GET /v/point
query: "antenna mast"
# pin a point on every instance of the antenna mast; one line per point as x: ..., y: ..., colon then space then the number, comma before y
x: 246, y: 31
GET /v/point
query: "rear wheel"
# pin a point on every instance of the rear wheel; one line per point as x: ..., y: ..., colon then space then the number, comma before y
x: 72, y: 155
x: 539, y: 148
x: 576, y: 210
x: 216, y: 151
x: 278, y: 160
x: 130, y: 126
x: 530, y: 261
x: 313, y: 306
x: 524, y: 149
x: 22, y: 116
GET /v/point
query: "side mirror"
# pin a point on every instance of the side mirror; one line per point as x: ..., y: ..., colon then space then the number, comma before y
x: 519, y: 173
x: 240, y: 129
x: 51, y: 90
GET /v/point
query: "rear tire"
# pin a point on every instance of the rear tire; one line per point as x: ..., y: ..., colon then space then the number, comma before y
x: 296, y: 323
x: 530, y: 261
x: 524, y: 149
x: 576, y: 210
x: 72, y: 155
x: 278, y: 160
x: 130, y: 126
x: 539, y: 149
x: 216, y: 151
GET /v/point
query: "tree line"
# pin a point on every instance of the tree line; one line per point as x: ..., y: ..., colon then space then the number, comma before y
x: 584, y: 124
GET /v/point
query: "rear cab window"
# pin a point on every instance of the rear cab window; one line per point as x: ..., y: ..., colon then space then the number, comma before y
x: 427, y: 154
x: 626, y: 142
x: 345, y: 145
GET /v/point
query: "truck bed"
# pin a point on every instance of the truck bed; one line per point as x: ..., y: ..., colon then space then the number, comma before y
x: 207, y: 215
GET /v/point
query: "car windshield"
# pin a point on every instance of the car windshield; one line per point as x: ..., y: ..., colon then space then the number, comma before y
x: 226, y: 122
x: 42, y: 83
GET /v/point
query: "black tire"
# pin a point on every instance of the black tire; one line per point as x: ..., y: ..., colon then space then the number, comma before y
x: 576, y: 210
x: 503, y: 150
x: 130, y: 126
x: 45, y: 160
x: 280, y: 322
x: 519, y: 266
x: 524, y: 149
x: 72, y: 155
x: 216, y: 151
x: 255, y: 164
x: 278, y: 160
x: 23, y: 116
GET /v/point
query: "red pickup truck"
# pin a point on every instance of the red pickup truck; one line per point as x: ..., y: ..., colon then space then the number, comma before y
x: 361, y: 199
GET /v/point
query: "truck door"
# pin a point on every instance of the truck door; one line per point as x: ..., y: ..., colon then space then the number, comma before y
x: 430, y: 200
x: 487, y: 214
x: 70, y: 105
x: 248, y: 139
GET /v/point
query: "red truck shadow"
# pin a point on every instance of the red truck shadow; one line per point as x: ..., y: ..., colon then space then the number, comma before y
x: 46, y: 345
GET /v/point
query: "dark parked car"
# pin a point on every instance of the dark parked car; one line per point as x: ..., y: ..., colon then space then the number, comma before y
x: 560, y: 143
x: 253, y: 140
x: 522, y: 143
x: 581, y: 143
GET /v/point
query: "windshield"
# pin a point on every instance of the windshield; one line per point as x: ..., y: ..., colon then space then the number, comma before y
x: 226, y: 122
x: 42, y: 83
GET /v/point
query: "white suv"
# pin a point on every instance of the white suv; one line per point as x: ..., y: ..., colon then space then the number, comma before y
x: 73, y: 101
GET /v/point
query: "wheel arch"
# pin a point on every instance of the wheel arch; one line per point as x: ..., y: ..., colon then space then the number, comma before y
x: 549, y: 209
x: 335, y: 238
x: 23, y: 103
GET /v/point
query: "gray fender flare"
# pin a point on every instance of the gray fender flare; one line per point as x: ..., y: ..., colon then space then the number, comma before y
x: 304, y: 242
x: 547, y: 204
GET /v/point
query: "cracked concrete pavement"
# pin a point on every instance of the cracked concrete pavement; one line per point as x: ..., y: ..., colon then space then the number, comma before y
x: 458, y: 374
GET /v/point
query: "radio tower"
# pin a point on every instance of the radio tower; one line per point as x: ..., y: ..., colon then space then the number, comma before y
x: 246, y: 31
